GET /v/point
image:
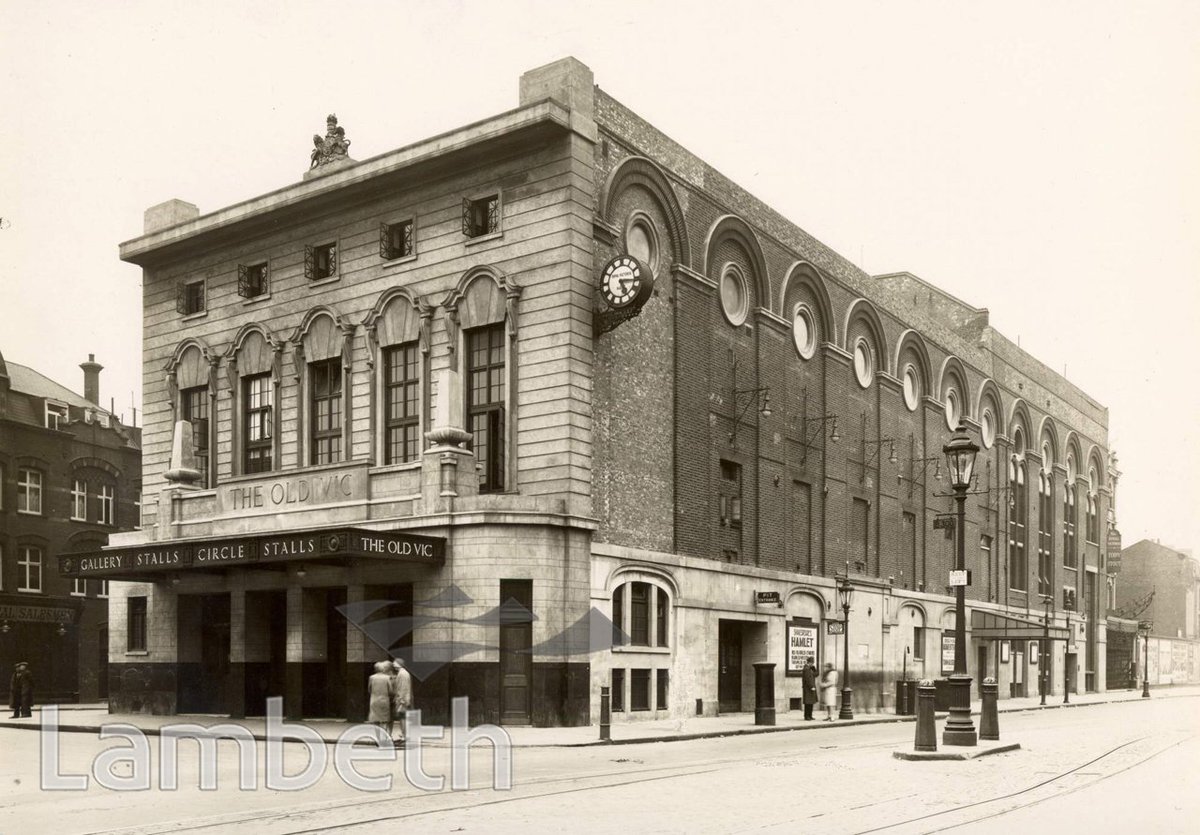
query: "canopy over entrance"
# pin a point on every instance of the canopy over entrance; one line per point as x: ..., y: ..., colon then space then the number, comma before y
x: 273, y: 550
x: 991, y: 626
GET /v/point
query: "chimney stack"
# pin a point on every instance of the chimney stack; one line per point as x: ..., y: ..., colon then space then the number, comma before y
x: 91, y: 379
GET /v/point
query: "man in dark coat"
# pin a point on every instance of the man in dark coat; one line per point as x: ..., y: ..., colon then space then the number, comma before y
x: 809, y: 677
x: 21, y: 699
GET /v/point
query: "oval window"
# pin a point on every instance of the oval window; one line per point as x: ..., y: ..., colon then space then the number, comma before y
x: 864, y: 363
x: 951, y: 405
x: 733, y: 295
x: 987, y: 428
x: 640, y: 243
x: 912, y: 388
x: 803, y: 333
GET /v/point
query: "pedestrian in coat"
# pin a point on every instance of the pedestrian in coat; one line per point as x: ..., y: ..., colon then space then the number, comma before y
x: 379, y: 697
x: 809, y: 678
x: 21, y: 694
x: 402, y: 696
x: 829, y: 689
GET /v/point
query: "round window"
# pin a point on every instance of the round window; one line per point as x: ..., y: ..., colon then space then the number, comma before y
x: 864, y: 363
x: 952, y: 408
x: 640, y: 243
x: 987, y: 428
x: 912, y: 388
x: 803, y: 332
x: 733, y: 295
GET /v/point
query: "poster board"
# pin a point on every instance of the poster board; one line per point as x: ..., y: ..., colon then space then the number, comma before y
x: 801, y: 637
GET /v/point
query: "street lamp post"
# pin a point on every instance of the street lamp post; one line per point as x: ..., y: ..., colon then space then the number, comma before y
x: 1043, y: 676
x: 1144, y: 628
x: 845, y: 595
x: 960, y: 456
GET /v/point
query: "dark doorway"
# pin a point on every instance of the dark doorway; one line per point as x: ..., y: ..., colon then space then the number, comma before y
x: 324, y: 681
x: 389, y: 630
x: 266, y: 648
x: 981, y: 655
x: 729, y: 669
x: 516, y: 658
x: 1091, y: 658
x: 203, y: 624
x: 102, y: 662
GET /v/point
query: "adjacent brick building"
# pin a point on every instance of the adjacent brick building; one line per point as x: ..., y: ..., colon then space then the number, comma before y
x: 69, y: 477
x: 419, y: 345
x: 1159, y: 588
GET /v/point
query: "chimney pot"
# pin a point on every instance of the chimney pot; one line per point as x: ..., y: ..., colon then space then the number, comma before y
x: 91, y: 379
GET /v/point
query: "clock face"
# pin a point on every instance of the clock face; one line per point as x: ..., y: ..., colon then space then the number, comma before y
x: 622, y: 280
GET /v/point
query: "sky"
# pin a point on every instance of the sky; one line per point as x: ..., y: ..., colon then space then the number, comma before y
x: 1041, y: 160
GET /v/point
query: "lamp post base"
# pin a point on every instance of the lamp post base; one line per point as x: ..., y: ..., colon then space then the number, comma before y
x: 960, y: 730
x: 1146, y: 688
x: 846, y: 712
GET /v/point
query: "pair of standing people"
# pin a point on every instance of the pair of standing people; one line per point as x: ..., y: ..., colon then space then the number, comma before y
x: 389, y: 698
x: 828, y: 684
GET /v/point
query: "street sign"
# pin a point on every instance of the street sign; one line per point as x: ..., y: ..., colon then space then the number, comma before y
x: 1112, y: 547
x: 835, y: 627
x: 943, y: 523
x: 960, y: 577
x: 767, y: 598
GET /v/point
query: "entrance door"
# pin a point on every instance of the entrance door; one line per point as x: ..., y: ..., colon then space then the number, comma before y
x: 102, y: 663
x: 729, y: 670
x: 1091, y: 658
x: 516, y: 658
x: 1018, y: 669
x: 203, y: 628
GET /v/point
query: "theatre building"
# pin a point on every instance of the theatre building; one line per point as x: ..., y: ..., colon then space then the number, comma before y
x: 492, y: 400
x: 69, y: 478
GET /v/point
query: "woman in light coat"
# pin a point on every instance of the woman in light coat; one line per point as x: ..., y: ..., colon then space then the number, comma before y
x: 380, y: 690
x: 829, y: 689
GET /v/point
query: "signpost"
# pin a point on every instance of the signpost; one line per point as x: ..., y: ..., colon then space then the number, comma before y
x: 1112, y: 548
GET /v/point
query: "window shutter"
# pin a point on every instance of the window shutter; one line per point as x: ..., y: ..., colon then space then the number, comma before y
x: 310, y: 263
x: 468, y: 228
x: 244, y: 289
x: 385, y: 249
x: 493, y: 215
x: 181, y: 297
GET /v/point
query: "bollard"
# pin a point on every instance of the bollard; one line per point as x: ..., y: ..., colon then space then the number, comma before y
x: 989, y: 720
x: 926, y: 737
x: 605, y: 714
x: 764, y: 693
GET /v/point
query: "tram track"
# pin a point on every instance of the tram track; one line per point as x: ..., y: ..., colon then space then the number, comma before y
x: 1065, y: 790
x: 470, y: 797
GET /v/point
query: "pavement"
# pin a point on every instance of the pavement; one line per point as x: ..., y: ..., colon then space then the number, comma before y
x: 88, y: 718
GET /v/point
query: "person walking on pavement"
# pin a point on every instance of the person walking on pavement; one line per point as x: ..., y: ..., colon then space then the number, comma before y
x: 829, y: 689
x: 402, y: 697
x: 809, y: 678
x: 21, y: 694
x: 379, y: 697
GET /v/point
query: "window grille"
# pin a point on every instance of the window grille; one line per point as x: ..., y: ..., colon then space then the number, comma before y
x: 396, y: 240
x: 189, y: 297
x: 481, y: 216
x: 252, y: 280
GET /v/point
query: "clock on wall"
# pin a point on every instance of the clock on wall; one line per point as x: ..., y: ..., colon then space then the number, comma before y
x: 625, y: 282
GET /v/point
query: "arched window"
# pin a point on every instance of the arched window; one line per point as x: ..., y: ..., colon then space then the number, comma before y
x: 1069, y: 556
x: 1045, y: 532
x: 1018, y: 520
x: 641, y: 615
x: 253, y: 367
